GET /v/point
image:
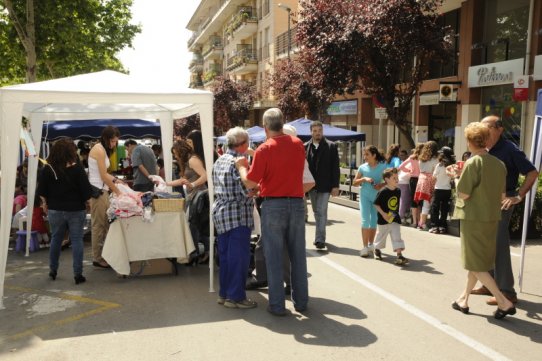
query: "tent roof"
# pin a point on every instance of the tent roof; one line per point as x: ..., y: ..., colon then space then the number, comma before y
x: 302, y: 127
x: 84, y: 129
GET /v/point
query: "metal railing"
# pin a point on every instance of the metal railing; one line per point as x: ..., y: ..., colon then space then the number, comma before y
x: 281, y: 42
x: 242, y: 57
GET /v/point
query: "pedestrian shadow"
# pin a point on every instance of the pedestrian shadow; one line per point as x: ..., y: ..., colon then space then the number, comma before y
x: 415, y: 265
x: 338, y: 250
x: 518, y: 326
x: 316, y: 327
x: 331, y: 222
x: 532, y: 310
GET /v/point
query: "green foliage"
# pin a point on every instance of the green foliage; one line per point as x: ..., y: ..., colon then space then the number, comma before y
x: 370, y: 45
x: 72, y: 37
x: 516, y: 220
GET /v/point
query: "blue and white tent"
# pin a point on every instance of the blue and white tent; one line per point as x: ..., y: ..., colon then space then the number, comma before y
x: 536, y: 158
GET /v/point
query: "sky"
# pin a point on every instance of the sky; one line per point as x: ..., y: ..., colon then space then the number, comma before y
x: 160, y: 51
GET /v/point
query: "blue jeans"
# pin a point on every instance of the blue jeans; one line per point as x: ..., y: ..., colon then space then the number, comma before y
x: 234, y: 256
x: 60, y: 221
x: 283, y: 225
x: 319, y: 203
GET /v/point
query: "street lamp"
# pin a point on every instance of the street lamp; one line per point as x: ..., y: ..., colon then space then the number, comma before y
x: 289, y: 10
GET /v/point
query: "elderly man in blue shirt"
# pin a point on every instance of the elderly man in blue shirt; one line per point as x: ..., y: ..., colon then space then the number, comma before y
x: 516, y: 163
x: 233, y: 218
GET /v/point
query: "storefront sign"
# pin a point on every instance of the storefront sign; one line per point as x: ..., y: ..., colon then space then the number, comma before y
x: 429, y: 99
x: 348, y: 107
x: 381, y: 113
x: 495, y: 73
x: 537, y: 73
x: 521, y: 88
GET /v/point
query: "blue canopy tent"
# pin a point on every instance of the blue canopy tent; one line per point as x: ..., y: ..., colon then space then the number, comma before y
x: 536, y: 158
x: 302, y: 126
x: 88, y: 129
x: 256, y: 134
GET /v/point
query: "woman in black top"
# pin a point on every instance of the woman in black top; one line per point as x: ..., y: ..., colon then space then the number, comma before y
x: 64, y: 189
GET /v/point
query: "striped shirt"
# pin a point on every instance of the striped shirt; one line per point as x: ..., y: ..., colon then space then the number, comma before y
x: 232, y: 207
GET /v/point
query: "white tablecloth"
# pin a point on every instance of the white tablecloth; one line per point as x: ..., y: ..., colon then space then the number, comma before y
x: 131, y: 239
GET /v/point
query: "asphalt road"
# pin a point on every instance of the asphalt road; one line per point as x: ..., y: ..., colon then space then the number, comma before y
x: 359, y: 309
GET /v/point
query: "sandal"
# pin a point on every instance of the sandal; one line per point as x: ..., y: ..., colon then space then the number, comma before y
x: 500, y: 314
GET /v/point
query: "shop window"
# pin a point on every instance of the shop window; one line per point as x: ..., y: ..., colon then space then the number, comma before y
x: 505, y: 30
x: 498, y: 100
x: 448, y: 68
x: 442, y: 121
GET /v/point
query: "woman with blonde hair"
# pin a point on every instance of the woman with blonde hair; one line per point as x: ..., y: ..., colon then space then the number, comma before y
x: 480, y: 190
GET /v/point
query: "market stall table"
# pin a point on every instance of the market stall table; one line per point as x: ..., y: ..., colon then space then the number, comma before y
x: 132, y: 239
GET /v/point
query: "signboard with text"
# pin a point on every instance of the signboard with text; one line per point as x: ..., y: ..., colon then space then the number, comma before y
x: 347, y: 107
x: 495, y: 73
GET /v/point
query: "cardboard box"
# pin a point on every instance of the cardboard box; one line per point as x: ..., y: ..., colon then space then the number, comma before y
x: 160, y: 266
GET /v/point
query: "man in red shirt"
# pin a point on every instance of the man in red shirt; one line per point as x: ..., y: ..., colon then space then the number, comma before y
x: 277, y: 168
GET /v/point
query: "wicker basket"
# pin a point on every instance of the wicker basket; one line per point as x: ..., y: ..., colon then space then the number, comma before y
x: 168, y: 205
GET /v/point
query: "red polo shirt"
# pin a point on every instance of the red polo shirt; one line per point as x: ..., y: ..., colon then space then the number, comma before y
x: 278, y: 167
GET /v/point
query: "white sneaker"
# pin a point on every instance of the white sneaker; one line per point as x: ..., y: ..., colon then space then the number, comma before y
x: 371, y: 248
x: 364, y: 252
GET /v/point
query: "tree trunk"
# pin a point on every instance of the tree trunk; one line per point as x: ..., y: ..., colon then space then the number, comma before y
x: 31, y: 66
x: 27, y: 36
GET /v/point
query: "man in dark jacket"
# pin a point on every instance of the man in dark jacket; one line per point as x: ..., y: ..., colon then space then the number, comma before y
x: 323, y: 161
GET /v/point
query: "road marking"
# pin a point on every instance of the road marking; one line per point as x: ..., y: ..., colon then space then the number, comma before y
x: 104, y: 306
x: 461, y: 337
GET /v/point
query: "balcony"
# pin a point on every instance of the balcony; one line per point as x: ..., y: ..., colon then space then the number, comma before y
x: 196, y: 64
x: 196, y: 84
x: 243, y: 24
x: 281, y: 43
x: 213, y: 49
x: 244, y: 61
x: 211, y: 73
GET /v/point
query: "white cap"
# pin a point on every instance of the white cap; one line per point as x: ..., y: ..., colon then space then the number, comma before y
x: 289, y: 129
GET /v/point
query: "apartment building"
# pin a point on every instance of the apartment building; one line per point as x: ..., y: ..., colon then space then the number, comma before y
x: 495, y: 42
x: 242, y: 40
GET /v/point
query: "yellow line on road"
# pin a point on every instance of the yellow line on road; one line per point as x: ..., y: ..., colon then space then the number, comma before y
x: 104, y: 306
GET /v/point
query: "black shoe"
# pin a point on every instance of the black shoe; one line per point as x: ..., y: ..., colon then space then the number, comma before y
x: 378, y: 254
x: 52, y: 275
x: 499, y: 314
x: 320, y: 245
x: 79, y: 279
x: 253, y: 284
x: 288, y: 290
x: 464, y: 310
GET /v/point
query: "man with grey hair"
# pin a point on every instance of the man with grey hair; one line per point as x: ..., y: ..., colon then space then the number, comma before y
x: 233, y: 219
x: 516, y: 163
x: 143, y: 163
x: 277, y: 168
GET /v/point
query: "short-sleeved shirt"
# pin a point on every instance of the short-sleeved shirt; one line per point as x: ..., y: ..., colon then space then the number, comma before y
x: 483, y: 178
x: 232, y: 207
x: 388, y: 200
x: 145, y: 156
x: 375, y: 173
x: 514, y: 160
x: 278, y: 167
x: 395, y: 162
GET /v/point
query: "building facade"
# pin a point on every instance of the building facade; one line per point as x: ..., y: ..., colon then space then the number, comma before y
x: 242, y: 40
x: 496, y: 42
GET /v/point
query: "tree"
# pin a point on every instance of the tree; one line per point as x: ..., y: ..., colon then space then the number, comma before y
x: 380, y: 47
x: 232, y: 102
x: 50, y: 39
x: 296, y: 95
x: 183, y: 126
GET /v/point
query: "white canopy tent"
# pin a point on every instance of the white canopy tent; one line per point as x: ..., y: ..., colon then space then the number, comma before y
x: 101, y: 95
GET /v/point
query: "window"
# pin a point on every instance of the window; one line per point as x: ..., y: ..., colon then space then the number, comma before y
x: 449, y: 68
x: 505, y: 30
